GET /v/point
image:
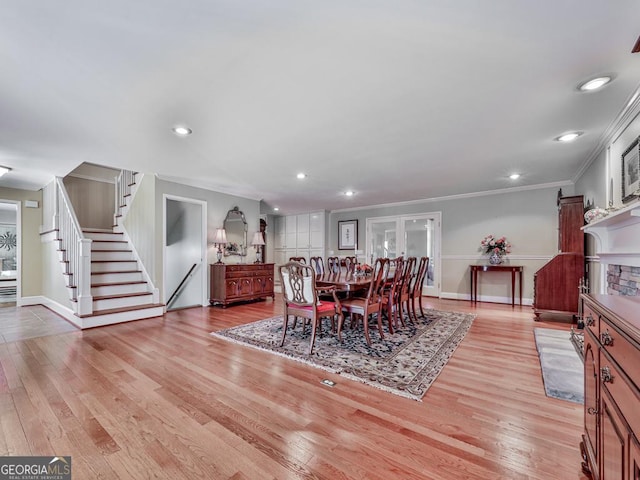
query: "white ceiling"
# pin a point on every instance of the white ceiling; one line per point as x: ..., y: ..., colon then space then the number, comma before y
x: 398, y: 101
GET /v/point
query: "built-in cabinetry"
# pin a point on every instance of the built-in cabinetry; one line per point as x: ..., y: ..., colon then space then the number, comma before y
x: 556, y: 284
x: 610, y: 445
x: 299, y: 236
x: 240, y: 282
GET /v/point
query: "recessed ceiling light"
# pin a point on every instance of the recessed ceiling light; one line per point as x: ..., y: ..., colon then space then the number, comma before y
x: 514, y: 176
x: 301, y: 176
x: 275, y: 209
x: 4, y: 170
x: 182, y: 131
x: 594, y: 84
x: 568, y: 137
x: 349, y: 193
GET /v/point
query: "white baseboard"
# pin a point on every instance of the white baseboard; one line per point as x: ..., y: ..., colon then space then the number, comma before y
x: 61, y: 310
x: 485, y: 298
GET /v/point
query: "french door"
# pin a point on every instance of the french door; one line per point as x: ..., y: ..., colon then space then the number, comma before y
x: 410, y: 236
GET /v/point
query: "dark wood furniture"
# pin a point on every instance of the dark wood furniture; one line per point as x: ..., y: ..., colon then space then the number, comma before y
x: 344, y: 281
x: 300, y: 296
x: 364, y: 307
x: 475, y: 269
x: 240, y: 282
x: 556, y: 284
x: 610, y: 446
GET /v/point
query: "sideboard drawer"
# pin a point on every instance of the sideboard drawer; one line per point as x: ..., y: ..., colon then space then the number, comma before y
x: 621, y: 350
x: 626, y: 395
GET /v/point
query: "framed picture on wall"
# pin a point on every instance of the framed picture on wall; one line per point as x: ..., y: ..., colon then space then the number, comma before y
x: 347, y: 234
x: 631, y: 171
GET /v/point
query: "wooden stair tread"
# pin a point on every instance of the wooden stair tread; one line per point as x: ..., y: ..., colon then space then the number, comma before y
x: 119, y: 271
x: 121, y: 295
x: 115, y: 284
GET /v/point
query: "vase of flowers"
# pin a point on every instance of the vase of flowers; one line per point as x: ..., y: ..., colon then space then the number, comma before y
x: 496, y: 248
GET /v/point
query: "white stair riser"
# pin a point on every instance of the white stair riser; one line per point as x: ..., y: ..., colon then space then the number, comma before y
x: 110, y: 246
x: 119, y: 317
x: 97, y: 267
x: 104, y: 236
x: 111, y: 277
x: 119, y: 289
x: 120, y: 302
x: 112, y: 255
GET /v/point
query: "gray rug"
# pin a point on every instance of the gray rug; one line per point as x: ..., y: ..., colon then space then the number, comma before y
x: 405, y: 363
x: 562, y: 368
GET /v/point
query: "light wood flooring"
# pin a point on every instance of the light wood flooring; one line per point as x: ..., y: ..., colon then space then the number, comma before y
x: 161, y: 398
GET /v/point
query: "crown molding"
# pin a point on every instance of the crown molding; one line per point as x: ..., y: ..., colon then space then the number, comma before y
x: 459, y: 196
x: 613, y: 131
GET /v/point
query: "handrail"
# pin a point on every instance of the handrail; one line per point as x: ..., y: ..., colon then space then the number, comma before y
x: 123, y: 188
x: 181, y: 283
x: 77, y: 251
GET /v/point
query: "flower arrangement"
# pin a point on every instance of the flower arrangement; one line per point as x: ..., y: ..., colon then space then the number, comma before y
x: 364, y: 269
x: 492, y: 245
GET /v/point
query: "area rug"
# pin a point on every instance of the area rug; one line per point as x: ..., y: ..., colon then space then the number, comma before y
x: 405, y: 363
x: 562, y: 368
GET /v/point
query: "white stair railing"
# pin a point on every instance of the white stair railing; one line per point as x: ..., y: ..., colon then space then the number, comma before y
x: 76, y: 252
x: 124, y: 181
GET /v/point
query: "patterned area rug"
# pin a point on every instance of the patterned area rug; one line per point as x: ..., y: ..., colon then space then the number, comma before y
x: 405, y: 363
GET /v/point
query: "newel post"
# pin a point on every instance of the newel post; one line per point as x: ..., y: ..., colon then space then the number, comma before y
x: 85, y: 299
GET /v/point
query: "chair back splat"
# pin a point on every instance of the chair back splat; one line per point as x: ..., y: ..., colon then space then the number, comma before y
x: 300, y: 296
x: 364, y: 307
x: 318, y: 264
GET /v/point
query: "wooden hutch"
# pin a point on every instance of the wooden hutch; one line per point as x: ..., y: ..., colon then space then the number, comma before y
x: 556, y: 284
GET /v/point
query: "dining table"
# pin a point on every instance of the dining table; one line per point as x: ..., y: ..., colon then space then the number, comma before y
x: 343, y: 281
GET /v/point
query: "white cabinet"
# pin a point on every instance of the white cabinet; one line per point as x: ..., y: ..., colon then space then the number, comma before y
x: 299, y: 236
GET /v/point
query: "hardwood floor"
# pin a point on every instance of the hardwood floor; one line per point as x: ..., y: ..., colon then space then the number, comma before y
x: 161, y: 398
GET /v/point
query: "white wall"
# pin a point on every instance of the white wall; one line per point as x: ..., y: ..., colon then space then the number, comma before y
x: 527, y: 217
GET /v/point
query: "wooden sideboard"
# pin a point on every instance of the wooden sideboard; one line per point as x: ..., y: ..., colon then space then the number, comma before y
x: 610, y: 446
x: 240, y: 282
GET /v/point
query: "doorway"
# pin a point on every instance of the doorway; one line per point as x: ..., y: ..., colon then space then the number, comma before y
x: 409, y: 236
x: 10, y: 230
x: 184, y: 252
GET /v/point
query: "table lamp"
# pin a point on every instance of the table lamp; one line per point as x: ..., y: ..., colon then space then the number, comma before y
x: 258, y: 242
x: 219, y: 240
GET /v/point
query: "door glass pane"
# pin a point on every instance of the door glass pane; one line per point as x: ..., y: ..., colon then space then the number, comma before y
x: 383, y: 240
x: 419, y: 242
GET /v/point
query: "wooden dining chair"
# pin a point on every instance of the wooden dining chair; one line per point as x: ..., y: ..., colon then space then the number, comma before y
x: 364, y: 307
x: 333, y: 265
x: 350, y: 263
x: 318, y: 264
x: 390, y: 292
x: 415, y: 292
x: 298, y: 259
x: 403, y: 296
x: 300, y: 296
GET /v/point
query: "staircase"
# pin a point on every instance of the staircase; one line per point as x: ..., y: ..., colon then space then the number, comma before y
x: 120, y: 289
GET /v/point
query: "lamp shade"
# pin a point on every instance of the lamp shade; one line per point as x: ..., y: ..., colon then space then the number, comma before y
x: 257, y: 239
x: 220, y: 237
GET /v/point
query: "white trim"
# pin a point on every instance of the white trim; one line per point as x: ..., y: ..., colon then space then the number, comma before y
x: 458, y: 196
x: 483, y: 258
x: 61, y: 310
x: 206, y: 186
x: 95, y: 179
x: 487, y: 298
x: 626, y: 116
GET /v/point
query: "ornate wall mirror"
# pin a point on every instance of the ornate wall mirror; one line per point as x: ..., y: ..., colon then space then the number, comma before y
x: 236, y: 227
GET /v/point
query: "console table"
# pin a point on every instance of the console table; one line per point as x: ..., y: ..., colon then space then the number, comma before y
x: 240, y: 282
x: 496, y: 268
